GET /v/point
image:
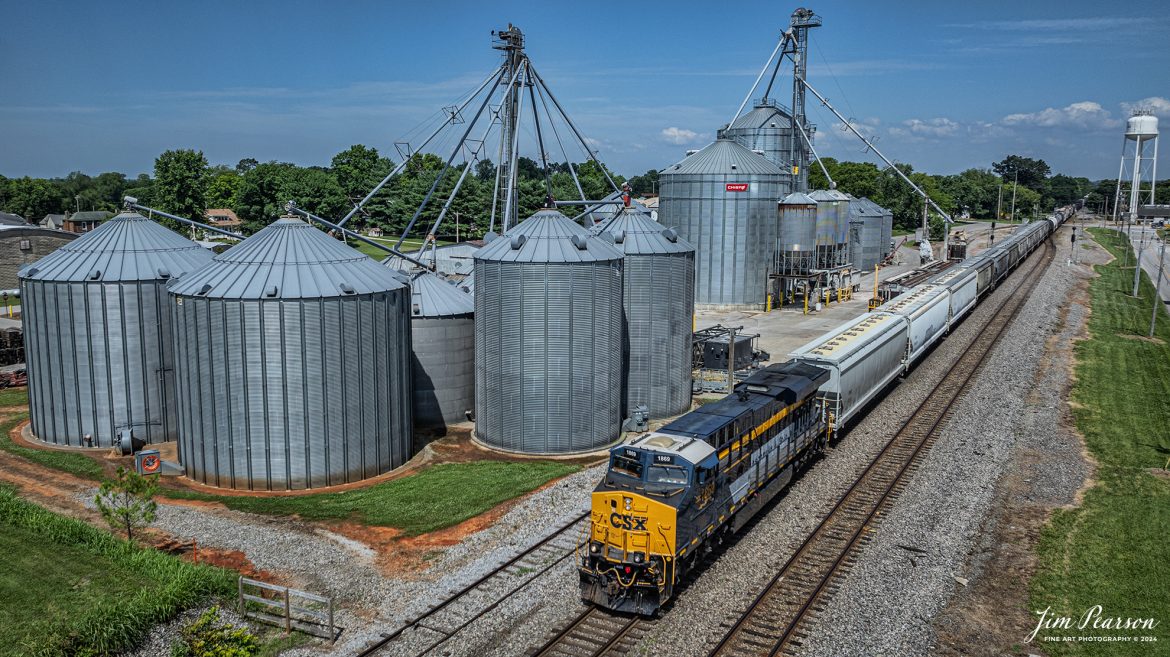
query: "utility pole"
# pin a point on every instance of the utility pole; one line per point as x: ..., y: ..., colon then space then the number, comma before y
x: 1157, y: 289
x: 1015, y: 181
x: 1137, y: 265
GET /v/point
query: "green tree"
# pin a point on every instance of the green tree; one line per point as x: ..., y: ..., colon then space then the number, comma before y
x: 267, y: 187
x: 245, y: 165
x: 223, y: 189
x: 180, y: 183
x: 1032, y: 172
x: 974, y: 190
x: 127, y: 502
x: 646, y: 183
x: 31, y: 198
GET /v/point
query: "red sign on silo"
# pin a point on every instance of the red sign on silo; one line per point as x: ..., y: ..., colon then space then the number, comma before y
x: 737, y: 187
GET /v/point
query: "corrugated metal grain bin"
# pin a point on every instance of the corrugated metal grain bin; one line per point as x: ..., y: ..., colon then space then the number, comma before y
x: 442, y: 320
x: 97, y: 332
x: 863, y: 357
x: 292, y: 355
x: 832, y: 228
x: 963, y: 283
x: 927, y: 308
x: 548, y: 338
x: 866, y: 222
x: 796, y: 248
x: 659, y: 301
x: 722, y: 199
x: 767, y: 127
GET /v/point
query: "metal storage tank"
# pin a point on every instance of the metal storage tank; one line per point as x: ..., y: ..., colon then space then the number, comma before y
x: 97, y: 333
x: 293, y: 362
x: 722, y: 199
x: 766, y: 128
x: 548, y: 338
x: 865, y: 219
x: 798, y: 234
x: 658, y: 301
x: 887, y: 230
x: 832, y: 228
x: 442, y: 325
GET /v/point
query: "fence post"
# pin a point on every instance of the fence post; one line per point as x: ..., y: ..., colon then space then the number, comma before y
x: 332, y: 629
x: 240, y: 582
x: 287, y: 613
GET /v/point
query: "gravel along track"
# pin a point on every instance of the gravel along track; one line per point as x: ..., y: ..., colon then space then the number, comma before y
x: 923, y: 551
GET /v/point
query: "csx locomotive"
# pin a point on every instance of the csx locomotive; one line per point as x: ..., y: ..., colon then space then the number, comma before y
x: 670, y: 495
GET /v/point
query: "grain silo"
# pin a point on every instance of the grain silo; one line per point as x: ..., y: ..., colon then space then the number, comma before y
x: 548, y: 338
x: 722, y: 199
x: 865, y: 219
x: 658, y: 302
x: 292, y: 356
x: 767, y: 128
x: 97, y: 332
x: 796, y: 247
x: 442, y: 320
x: 832, y: 228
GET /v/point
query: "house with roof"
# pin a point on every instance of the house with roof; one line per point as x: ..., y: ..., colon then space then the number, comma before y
x: 83, y: 222
x: 224, y: 219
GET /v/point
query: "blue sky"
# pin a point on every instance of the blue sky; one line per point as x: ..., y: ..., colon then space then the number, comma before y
x: 98, y: 86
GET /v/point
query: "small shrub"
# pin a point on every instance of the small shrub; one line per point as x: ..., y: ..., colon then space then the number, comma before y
x: 127, y: 502
x: 208, y: 636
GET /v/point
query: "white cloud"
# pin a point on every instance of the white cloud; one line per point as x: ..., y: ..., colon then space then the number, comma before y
x: 679, y: 136
x: 1085, y: 114
x: 937, y: 127
x: 1156, y: 104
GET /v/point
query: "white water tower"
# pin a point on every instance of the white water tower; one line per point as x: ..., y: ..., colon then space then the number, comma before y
x: 1140, y: 151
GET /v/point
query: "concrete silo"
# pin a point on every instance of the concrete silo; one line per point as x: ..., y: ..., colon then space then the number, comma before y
x: 722, y: 199
x: 548, y: 338
x: 442, y: 320
x: 97, y: 330
x: 658, y: 302
x: 293, y: 362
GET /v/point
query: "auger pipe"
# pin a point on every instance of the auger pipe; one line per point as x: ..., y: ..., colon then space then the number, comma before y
x: 783, y: 40
x: 573, y: 127
x: 292, y: 207
x: 402, y: 165
x: 131, y: 202
x: 446, y: 166
x: 946, y: 217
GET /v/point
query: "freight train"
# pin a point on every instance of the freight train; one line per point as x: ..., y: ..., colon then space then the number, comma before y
x: 670, y: 496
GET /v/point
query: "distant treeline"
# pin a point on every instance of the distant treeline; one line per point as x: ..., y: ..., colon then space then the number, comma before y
x: 184, y: 183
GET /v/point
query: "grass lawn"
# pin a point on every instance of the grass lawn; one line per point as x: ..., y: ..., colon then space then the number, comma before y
x: 1114, y: 550
x: 67, y: 588
x: 440, y: 496
x: 13, y: 397
x: 378, y: 254
x: 71, y: 462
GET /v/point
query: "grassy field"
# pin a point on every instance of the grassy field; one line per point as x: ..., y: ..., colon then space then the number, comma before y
x: 1113, y: 550
x: 13, y: 397
x: 71, y: 462
x: 440, y: 496
x: 378, y: 254
x: 67, y: 588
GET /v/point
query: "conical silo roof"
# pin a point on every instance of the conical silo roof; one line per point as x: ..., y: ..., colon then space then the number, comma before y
x: 288, y: 259
x: 432, y: 295
x: 726, y: 157
x: 634, y: 232
x: 863, y: 207
x: 828, y: 195
x: 761, y: 116
x: 798, y: 198
x: 547, y: 236
x: 128, y: 247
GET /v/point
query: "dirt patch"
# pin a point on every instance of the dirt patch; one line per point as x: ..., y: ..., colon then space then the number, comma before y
x: 195, y: 553
x: 1131, y: 336
x: 1159, y: 473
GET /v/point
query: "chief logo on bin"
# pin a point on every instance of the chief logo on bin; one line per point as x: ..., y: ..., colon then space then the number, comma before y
x: 737, y: 187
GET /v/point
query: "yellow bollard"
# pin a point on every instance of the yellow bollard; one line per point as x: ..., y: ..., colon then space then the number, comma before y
x: 768, y: 305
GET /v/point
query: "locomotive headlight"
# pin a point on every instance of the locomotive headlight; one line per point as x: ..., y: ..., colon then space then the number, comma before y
x: 628, y: 502
x: 639, y: 557
x: 595, y: 548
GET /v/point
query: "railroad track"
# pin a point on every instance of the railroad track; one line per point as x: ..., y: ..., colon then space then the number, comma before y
x: 779, y: 619
x: 447, y: 618
x: 596, y: 632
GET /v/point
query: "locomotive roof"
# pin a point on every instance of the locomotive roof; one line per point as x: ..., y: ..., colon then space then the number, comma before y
x: 693, y: 449
x: 787, y: 382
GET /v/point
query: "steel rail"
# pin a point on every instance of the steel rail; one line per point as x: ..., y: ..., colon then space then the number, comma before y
x: 913, y: 439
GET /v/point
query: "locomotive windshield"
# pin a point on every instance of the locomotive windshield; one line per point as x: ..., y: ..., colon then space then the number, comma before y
x: 667, y: 474
x: 627, y: 466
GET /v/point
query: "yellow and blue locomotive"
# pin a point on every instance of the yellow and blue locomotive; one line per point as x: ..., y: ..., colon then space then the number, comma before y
x: 670, y: 495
